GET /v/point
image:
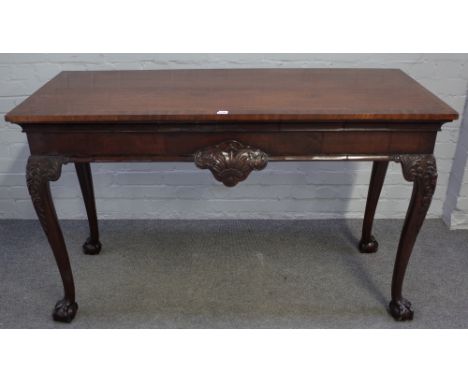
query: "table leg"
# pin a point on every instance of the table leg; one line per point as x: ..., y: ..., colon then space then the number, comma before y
x: 40, y: 171
x: 422, y: 171
x: 368, y: 244
x: 92, y: 245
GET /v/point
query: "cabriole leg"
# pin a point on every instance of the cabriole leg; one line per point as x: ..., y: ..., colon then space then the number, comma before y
x: 422, y: 171
x: 368, y: 244
x: 40, y: 171
x: 92, y: 245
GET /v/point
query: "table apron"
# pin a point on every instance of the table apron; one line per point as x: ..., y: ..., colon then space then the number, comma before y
x: 182, y: 146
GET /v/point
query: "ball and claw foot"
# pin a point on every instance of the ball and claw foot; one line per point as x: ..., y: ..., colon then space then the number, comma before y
x: 91, y: 247
x: 401, y: 310
x: 370, y: 246
x: 65, y: 310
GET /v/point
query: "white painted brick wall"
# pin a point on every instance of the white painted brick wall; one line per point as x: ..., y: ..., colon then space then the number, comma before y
x: 179, y: 190
x: 455, y: 211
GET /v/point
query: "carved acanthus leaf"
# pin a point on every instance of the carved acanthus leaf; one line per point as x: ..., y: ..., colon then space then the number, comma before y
x: 231, y: 162
x: 421, y: 169
x: 40, y: 170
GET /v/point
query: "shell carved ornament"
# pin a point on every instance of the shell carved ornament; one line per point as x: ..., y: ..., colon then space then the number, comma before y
x: 231, y: 161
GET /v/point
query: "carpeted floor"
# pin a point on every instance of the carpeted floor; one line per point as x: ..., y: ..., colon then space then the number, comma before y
x: 233, y: 274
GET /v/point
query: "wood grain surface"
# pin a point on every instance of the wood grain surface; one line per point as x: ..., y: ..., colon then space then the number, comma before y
x: 255, y: 95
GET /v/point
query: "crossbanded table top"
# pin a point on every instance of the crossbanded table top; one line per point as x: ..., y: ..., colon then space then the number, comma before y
x: 234, y: 95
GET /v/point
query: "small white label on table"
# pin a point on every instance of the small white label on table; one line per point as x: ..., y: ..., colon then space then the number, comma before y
x: 222, y: 112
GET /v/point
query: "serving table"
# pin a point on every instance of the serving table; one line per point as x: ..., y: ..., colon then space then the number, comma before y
x: 232, y: 122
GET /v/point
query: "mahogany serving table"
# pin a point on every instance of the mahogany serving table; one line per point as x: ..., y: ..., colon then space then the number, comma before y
x: 232, y: 122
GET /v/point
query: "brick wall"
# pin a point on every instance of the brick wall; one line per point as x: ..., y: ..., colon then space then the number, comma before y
x: 455, y: 212
x: 179, y: 190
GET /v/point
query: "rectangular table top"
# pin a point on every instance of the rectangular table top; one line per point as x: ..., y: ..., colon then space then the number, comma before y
x: 235, y: 95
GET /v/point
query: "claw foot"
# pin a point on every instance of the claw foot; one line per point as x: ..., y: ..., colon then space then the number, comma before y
x: 91, y: 247
x: 65, y: 310
x: 370, y: 246
x: 401, y: 310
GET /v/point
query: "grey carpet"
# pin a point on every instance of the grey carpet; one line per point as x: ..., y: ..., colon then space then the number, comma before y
x: 233, y: 274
